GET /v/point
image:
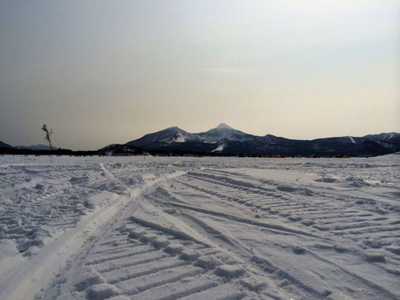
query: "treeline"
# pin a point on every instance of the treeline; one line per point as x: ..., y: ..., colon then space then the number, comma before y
x: 15, y: 151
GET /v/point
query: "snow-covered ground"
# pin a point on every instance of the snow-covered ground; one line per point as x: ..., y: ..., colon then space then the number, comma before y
x: 199, y: 228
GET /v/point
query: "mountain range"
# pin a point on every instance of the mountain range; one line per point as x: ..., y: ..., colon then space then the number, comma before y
x: 224, y: 140
x: 227, y: 141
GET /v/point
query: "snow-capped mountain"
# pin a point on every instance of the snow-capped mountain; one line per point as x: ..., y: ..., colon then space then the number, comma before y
x: 226, y: 140
x: 388, y: 140
x: 382, y: 137
x: 167, y: 136
x: 222, y: 132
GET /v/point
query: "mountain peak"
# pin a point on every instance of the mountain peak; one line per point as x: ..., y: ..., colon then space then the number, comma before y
x: 223, y: 126
x: 172, y: 128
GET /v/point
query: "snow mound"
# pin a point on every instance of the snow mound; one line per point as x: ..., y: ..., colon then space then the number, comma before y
x: 191, y: 255
x: 254, y: 283
x: 208, y: 262
x: 174, y: 249
x: 375, y: 257
x: 148, y: 237
x: 102, y: 291
x: 161, y: 242
x: 229, y: 271
x: 89, y: 277
x: 136, y: 233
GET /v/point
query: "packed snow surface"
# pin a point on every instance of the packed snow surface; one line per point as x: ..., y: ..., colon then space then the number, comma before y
x: 199, y: 228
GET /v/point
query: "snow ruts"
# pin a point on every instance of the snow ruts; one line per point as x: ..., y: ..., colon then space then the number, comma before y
x: 341, y: 227
x: 209, y: 228
x: 140, y: 262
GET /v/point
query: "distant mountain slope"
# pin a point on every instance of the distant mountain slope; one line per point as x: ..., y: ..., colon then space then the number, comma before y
x: 382, y: 136
x: 4, y: 145
x: 167, y: 136
x: 387, y: 140
x: 222, y: 132
x: 224, y: 140
x: 175, y: 135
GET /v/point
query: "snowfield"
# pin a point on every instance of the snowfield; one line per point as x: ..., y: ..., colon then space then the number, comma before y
x: 199, y: 228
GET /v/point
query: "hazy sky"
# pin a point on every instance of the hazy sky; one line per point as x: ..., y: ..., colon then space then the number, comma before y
x: 101, y: 72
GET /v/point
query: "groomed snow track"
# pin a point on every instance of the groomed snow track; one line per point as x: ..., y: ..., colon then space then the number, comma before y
x: 199, y: 228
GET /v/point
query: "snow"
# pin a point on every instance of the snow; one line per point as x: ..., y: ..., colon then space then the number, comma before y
x: 102, y: 291
x: 167, y: 136
x: 219, y: 148
x: 229, y: 271
x: 180, y: 139
x: 174, y: 249
x: 199, y: 228
x: 222, y: 132
x: 190, y: 255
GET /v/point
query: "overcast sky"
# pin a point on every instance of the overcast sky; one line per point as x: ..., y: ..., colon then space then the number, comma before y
x: 101, y: 72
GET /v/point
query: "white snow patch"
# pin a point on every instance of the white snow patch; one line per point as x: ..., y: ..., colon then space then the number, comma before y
x: 180, y: 139
x: 219, y: 148
x: 352, y: 140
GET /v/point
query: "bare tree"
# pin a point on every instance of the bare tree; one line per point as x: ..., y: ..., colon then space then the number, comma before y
x: 48, y: 135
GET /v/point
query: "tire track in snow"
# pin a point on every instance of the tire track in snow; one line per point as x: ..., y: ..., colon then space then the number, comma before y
x: 55, y: 255
x: 310, y: 212
x: 166, y: 267
x: 154, y: 262
x: 346, y: 221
